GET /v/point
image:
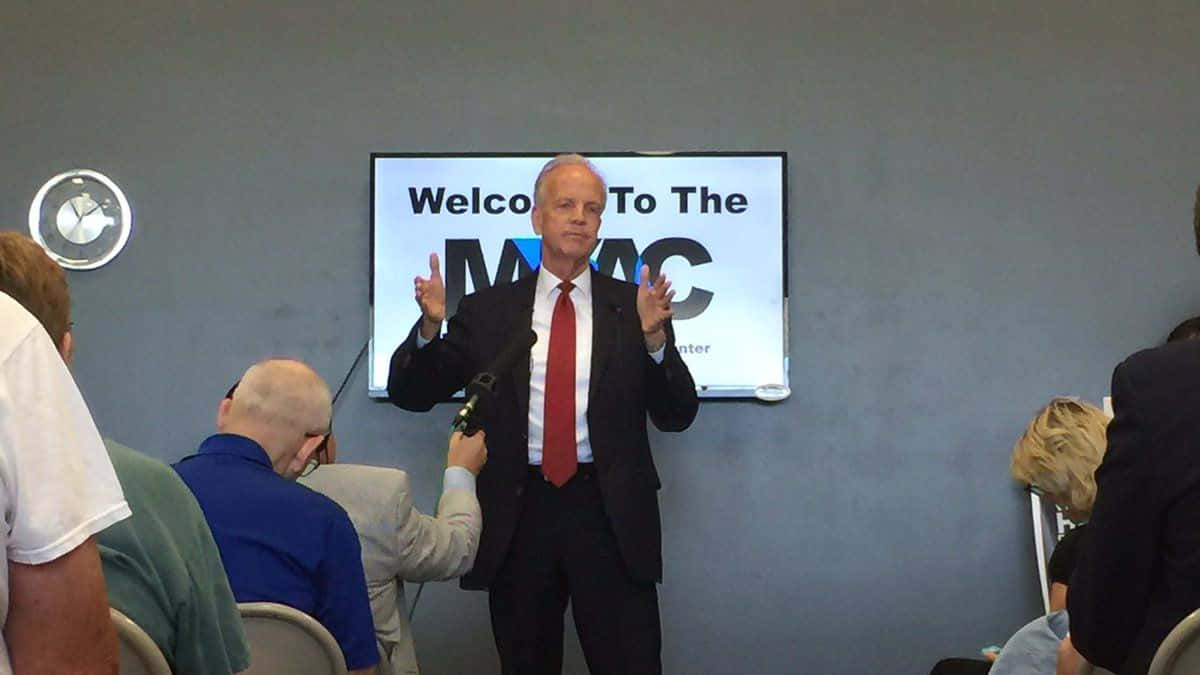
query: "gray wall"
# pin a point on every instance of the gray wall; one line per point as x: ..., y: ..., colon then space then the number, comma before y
x: 990, y: 204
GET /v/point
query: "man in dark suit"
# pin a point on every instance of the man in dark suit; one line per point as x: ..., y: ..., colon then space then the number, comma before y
x: 570, y: 507
x: 1140, y: 573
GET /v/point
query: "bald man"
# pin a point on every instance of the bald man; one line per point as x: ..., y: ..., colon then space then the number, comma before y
x: 280, y: 541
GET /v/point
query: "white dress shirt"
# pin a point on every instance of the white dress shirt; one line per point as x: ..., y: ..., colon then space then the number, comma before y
x: 545, y: 296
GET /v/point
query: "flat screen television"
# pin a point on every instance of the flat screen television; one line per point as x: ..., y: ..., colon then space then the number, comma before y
x: 714, y: 222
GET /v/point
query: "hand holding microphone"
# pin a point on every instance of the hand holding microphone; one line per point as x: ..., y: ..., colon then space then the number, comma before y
x: 469, y: 452
x: 482, y: 389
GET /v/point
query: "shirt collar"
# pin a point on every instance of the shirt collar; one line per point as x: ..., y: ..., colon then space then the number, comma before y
x: 547, y: 283
x: 239, y: 446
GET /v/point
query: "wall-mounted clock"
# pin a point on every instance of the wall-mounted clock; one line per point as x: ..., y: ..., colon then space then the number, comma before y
x: 81, y: 218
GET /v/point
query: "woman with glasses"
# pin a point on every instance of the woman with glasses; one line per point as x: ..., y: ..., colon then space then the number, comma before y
x: 1056, y: 457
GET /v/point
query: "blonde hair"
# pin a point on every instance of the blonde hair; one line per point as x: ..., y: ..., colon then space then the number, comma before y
x: 1059, y: 452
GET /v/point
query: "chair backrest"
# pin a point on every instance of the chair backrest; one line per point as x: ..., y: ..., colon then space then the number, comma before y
x: 285, y: 640
x: 1180, y: 651
x: 1045, y: 536
x: 139, y: 654
x: 1050, y: 525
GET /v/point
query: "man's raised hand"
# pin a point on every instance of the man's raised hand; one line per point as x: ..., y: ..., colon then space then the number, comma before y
x: 654, y: 308
x: 430, y: 295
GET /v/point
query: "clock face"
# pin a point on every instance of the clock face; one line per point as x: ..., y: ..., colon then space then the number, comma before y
x: 81, y: 218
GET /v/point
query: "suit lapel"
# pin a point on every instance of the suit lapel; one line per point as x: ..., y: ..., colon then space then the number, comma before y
x: 606, y: 327
x: 523, y: 290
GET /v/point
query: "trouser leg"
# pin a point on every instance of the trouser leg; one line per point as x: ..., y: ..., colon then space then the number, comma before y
x: 616, y: 617
x: 528, y: 597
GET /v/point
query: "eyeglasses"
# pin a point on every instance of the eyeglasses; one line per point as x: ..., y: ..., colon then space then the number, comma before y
x: 321, y: 454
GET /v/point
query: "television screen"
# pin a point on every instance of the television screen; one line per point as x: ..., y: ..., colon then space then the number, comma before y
x: 714, y: 223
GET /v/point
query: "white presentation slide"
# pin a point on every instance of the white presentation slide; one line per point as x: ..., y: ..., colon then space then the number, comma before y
x: 714, y: 223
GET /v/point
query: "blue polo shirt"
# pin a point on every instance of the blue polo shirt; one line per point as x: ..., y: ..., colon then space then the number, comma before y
x: 282, y: 542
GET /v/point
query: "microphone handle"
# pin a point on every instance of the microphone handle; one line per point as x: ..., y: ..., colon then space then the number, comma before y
x: 463, y: 420
x: 471, y: 427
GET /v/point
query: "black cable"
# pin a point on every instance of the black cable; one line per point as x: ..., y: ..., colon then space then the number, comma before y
x: 345, y: 380
x: 412, y: 608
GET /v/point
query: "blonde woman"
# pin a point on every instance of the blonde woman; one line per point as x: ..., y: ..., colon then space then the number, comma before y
x: 1056, y: 455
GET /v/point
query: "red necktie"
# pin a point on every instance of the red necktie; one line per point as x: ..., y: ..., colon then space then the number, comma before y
x: 558, y: 422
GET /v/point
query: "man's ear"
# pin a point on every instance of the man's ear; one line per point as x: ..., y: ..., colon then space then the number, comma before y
x: 66, y: 347
x: 307, y: 448
x: 223, y: 413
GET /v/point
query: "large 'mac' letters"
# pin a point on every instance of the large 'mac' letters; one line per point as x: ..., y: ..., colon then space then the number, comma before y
x: 465, y: 256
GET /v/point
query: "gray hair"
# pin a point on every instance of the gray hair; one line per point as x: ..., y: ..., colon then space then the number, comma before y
x: 284, y: 394
x: 569, y: 159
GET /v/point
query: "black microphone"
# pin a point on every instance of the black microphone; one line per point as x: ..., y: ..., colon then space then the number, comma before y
x: 483, y: 387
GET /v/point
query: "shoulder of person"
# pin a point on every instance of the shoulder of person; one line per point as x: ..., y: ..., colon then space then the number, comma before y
x: 152, y: 474
x: 123, y: 456
x: 365, y: 492
x: 317, y: 503
x: 357, y: 476
x: 1172, y: 356
x: 1170, y: 372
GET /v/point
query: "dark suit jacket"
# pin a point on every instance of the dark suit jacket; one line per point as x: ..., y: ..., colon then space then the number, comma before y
x: 1139, y: 575
x: 625, y: 384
